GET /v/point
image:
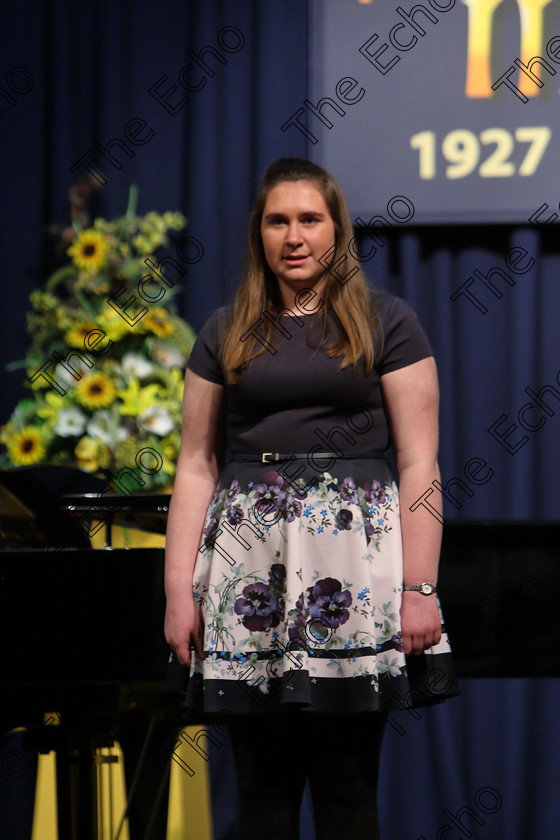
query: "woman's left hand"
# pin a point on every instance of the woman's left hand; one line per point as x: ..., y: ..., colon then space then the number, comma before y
x: 420, y: 622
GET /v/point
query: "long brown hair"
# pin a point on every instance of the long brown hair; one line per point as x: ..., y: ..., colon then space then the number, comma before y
x: 350, y: 304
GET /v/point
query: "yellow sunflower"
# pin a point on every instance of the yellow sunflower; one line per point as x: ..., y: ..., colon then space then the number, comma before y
x: 75, y: 337
x: 96, y: 391
x: 26, y: 447
x: 89, y: 251
x: 157, y: 321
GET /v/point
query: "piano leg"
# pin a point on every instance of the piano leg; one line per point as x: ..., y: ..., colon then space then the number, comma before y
x: 76, y: 787
x: 147, y: 742
x: 18, y: 773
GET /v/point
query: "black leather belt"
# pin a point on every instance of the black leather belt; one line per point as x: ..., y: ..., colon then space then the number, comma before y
x: 270, y: 457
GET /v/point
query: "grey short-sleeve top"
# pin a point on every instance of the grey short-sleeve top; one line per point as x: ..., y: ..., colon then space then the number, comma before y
x: 293, y: 399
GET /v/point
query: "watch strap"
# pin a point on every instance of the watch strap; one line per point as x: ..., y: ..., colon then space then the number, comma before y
x: 425, y: 588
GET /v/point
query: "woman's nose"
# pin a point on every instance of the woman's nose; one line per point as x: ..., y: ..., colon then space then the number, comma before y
x: 293, y: 234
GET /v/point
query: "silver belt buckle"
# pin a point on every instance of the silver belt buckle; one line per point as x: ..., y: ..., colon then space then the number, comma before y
x: 264, y: 457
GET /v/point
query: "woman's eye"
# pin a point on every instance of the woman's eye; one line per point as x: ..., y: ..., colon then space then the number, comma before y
x: 278, y: 221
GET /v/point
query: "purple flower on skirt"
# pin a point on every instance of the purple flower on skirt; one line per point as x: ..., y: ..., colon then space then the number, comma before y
x: 273, y: 477
x: 369, y: 529
x: 210, y: 529
x: 397, y: 642
x: 260, y: 609
x: 234, y: 515
x: 348, y: 490
x: 374, y: 493
x: 234, y: 490
x: 291, y: 509
x: 343, y: 519
x: 328, y: 602
x: 277, y: 577
x: 296, y: 630
x: 268, y: 498
x: 216, y: 493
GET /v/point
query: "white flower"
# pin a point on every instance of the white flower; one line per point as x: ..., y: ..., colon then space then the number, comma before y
x: 168, y: 354
x: 70, y: 421
x: 68, y: 379
x: 384, y: 665
x: 157, y: 420
x: 133, y: 364
x: 102, y: 426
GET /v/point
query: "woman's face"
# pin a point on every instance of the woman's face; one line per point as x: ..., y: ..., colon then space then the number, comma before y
x: 297, y: 230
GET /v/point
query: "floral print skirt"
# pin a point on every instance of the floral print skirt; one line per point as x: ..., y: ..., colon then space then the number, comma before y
x: 299, y: 588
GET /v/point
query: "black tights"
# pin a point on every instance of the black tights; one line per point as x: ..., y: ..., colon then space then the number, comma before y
x: 275, y: 754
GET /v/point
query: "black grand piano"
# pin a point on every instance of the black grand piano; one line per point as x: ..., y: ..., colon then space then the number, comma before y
x: 82, y: 637
x: 82, y: 629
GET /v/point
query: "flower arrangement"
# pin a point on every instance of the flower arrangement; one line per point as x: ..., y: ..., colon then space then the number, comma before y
x: 103, y: 388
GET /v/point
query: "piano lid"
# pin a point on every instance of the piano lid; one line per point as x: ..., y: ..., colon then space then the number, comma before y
x: 52, y: 504
x: 145, y: 511
x: 30, y: 506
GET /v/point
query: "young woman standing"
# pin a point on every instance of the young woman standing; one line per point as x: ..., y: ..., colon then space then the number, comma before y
x: 300, y: 584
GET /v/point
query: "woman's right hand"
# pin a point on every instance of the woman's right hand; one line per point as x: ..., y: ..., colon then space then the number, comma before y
x: 183, y: 624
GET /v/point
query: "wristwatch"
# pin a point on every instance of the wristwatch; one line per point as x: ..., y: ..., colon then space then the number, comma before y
x: 424, y: 588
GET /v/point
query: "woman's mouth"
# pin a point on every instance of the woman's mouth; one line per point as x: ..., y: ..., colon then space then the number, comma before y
x: 296, y: 260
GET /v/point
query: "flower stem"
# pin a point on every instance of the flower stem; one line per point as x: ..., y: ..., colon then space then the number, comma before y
x: 84, y: 303
x: 132, y: 201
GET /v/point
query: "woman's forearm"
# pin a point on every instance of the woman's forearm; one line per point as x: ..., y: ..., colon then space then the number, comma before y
x: 421, y: 531
x: 198, y: 467
x: 192, y: 492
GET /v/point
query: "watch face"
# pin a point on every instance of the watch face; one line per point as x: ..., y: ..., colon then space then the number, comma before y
x: 427, y: 588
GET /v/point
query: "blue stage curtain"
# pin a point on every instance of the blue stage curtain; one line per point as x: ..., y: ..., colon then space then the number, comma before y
x: 93, y: 65
x: 486, y: 360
